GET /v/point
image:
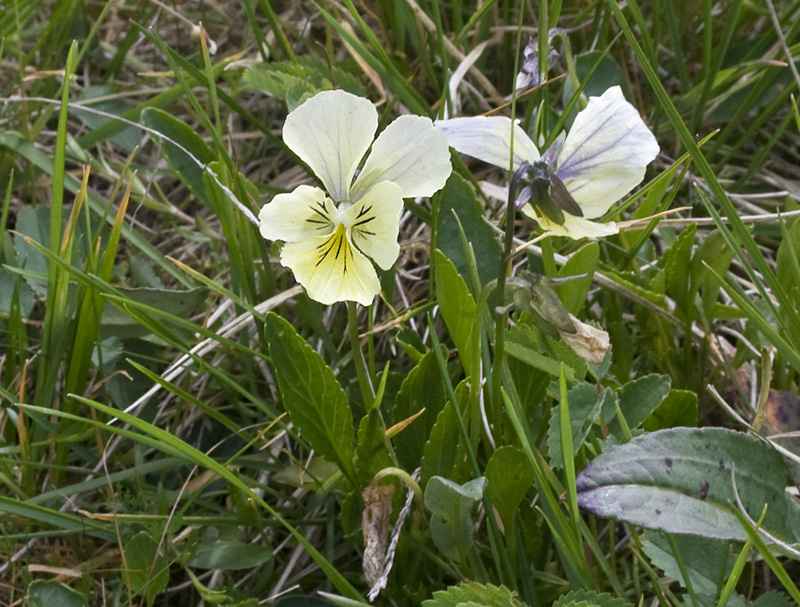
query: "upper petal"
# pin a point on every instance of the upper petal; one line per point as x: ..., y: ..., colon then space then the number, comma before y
x: 331, y: 269
x: 573, y: 227
x: 374, y: 223
x: 331, y: 132
x: 409, y: 152
x: 605, y: 153
x: 488, y: 138
x: 307, y: 211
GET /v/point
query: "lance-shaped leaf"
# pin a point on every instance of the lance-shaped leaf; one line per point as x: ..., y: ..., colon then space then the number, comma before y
x: 681, y: 480
x: 315, y: 400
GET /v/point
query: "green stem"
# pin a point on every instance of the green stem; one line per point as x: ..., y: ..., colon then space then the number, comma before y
x: 571, y: 68
x: 367, y: 391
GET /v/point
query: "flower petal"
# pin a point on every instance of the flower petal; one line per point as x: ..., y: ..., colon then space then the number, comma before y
x: 374, y: 223
x: 573, y: 227
x: 305, y: 212
x: 331, y: 269
x: 409, y: 152
x: 488, y: 138
x: 331, y: 132
x: 605, y: 153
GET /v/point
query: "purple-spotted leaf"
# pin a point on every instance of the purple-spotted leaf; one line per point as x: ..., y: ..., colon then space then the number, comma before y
x: 681, y: 480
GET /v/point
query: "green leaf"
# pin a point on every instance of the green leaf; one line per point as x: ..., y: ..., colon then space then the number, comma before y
x: 183, y: 148
x: 509, y: 477
x: 678, y: 409
x: 54, y: 594
x: 708, y: 563
x: 146, y: 570
x: 572, y: 293
x: 773, y: 598
x: 315, y: 400
x: 457, y: 306
x: 458, y: 200
x: 585, y: 402
x: 472, y: 593
x: 450, y: 505
x: 372, y: 452
x: 712, y: 252
x: 443, y: 454
x: 229, y: 554
x: 676, y: 268
x: 421, y: 389
x: 638, y: 399
x: 680, y: 481
x: 589, y: 598
x: 524, y: 343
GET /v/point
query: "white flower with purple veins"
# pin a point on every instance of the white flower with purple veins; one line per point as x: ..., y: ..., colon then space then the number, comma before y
x: 331, y: 234
x: 602, y: 158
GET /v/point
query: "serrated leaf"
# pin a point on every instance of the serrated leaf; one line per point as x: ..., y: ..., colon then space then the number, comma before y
x: 229, y: 554
x: 312, y: 395
x: 450, y: 505
x: 679, y: 481
x: 585, y: 402
x: 422, y: 388
x: 48, y: 593
x: 457, y: 197
x: 456, y: 305
x: 187, y: 156
x: 509, y: 476
x: 773, y: 598
x: 147, y: 571
x: 486, y: 595
x: 589, y: 598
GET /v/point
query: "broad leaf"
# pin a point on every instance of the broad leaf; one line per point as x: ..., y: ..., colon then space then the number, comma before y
x: 315, y: 400
x: 229, y: 554
x: 681, y: 481
x: 443, y: 454
x: 54, y: 594
x: 451, y: 507
x: 147, y: 571
x: 637, y: 401
x: 509, y: 477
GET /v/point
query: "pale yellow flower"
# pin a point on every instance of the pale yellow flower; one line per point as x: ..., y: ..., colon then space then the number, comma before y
x: 332, y: 234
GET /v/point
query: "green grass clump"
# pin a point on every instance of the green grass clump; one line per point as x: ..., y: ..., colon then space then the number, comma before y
x: 180, y: 424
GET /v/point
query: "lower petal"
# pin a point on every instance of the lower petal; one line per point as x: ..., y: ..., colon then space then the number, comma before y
x: 300, y: 214
x: 573, y: 227
x: 331, y: 269
x: 374, y: 223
